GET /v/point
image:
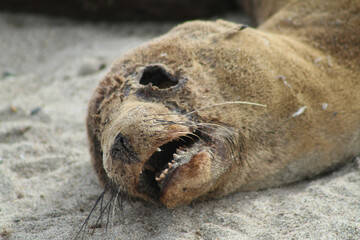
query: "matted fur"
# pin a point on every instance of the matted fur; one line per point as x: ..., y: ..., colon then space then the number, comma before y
x: 301, y: 70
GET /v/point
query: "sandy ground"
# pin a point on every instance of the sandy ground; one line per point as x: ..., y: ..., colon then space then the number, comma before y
x: 49, y: 68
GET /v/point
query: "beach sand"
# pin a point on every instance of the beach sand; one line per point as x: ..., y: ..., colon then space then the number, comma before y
x: 49, y: 68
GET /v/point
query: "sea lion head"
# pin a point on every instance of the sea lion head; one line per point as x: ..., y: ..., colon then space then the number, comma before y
x: 169, y: 121
x: 152, y: 147
x: 151, y: 126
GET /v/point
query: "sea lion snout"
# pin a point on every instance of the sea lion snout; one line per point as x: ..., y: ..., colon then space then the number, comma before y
x: 150, y: 152
x: 138, y: 145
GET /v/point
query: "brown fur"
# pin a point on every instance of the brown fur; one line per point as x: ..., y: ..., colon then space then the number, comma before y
x: 305, y: 57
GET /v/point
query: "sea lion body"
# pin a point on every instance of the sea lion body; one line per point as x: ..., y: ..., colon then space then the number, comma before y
x: 241, y: 108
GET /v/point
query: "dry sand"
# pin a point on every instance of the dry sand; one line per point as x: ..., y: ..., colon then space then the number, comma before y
x: 49, y: 68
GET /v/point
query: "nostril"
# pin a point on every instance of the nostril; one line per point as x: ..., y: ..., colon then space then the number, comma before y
x: 123, y: 151
x: 157, y: 76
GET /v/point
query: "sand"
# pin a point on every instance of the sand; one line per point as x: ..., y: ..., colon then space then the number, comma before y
x: 49, y: 67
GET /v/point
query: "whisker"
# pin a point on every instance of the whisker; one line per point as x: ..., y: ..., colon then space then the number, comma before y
x: 169, y: 124
x: 101, y: 205
x: 226, y: 133
x: 189, y: 135
x: 199, y: 127
x: 108, y: 214
x: 225, y: 103
x: 192, y: 124
x: 232, y: 146
x: 102, y: 212
x: 100, y: 198
x: 119, y: 201
x: 210, y: 106
x: 215, y: 126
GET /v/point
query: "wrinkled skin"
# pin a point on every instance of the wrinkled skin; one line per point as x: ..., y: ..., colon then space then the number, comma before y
x: 241, y: 108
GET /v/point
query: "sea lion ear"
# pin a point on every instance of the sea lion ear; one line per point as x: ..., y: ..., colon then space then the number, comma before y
x: 158, y: 76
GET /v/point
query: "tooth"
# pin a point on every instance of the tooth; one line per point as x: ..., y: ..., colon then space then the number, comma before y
x: 170, y: 165
x: 158, y: 149
x: 162, y: 175
x: 166, y: 170
x: 176, y: 157
x: 178, y: 151
x: 157, y: 179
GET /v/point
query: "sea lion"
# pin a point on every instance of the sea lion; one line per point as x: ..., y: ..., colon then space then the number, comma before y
x: 215, y: 107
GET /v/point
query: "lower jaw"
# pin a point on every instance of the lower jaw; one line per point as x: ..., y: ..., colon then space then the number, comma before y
x: 172, y: 193
x: 157, y: 170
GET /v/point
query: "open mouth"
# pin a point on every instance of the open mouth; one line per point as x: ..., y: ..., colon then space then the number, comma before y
x: 163, y: 162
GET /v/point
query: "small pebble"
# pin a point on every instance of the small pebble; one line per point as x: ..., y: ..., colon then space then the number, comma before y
x: 4, y: 234
x: 8, y: 74
x: 98, y: 225
x: 20, y: 195
x: 13, y: 109
x: 35, y: 111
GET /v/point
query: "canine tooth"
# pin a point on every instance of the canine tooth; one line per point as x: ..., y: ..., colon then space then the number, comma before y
x: 166, y: 170
x: 170, y: 165
x: 157, y: 179
x: 158, y: 149
x: 162, y: 175
x: 176, y: 157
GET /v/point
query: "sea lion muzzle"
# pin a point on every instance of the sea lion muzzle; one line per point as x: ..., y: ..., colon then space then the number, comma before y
x: 157, y: 154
